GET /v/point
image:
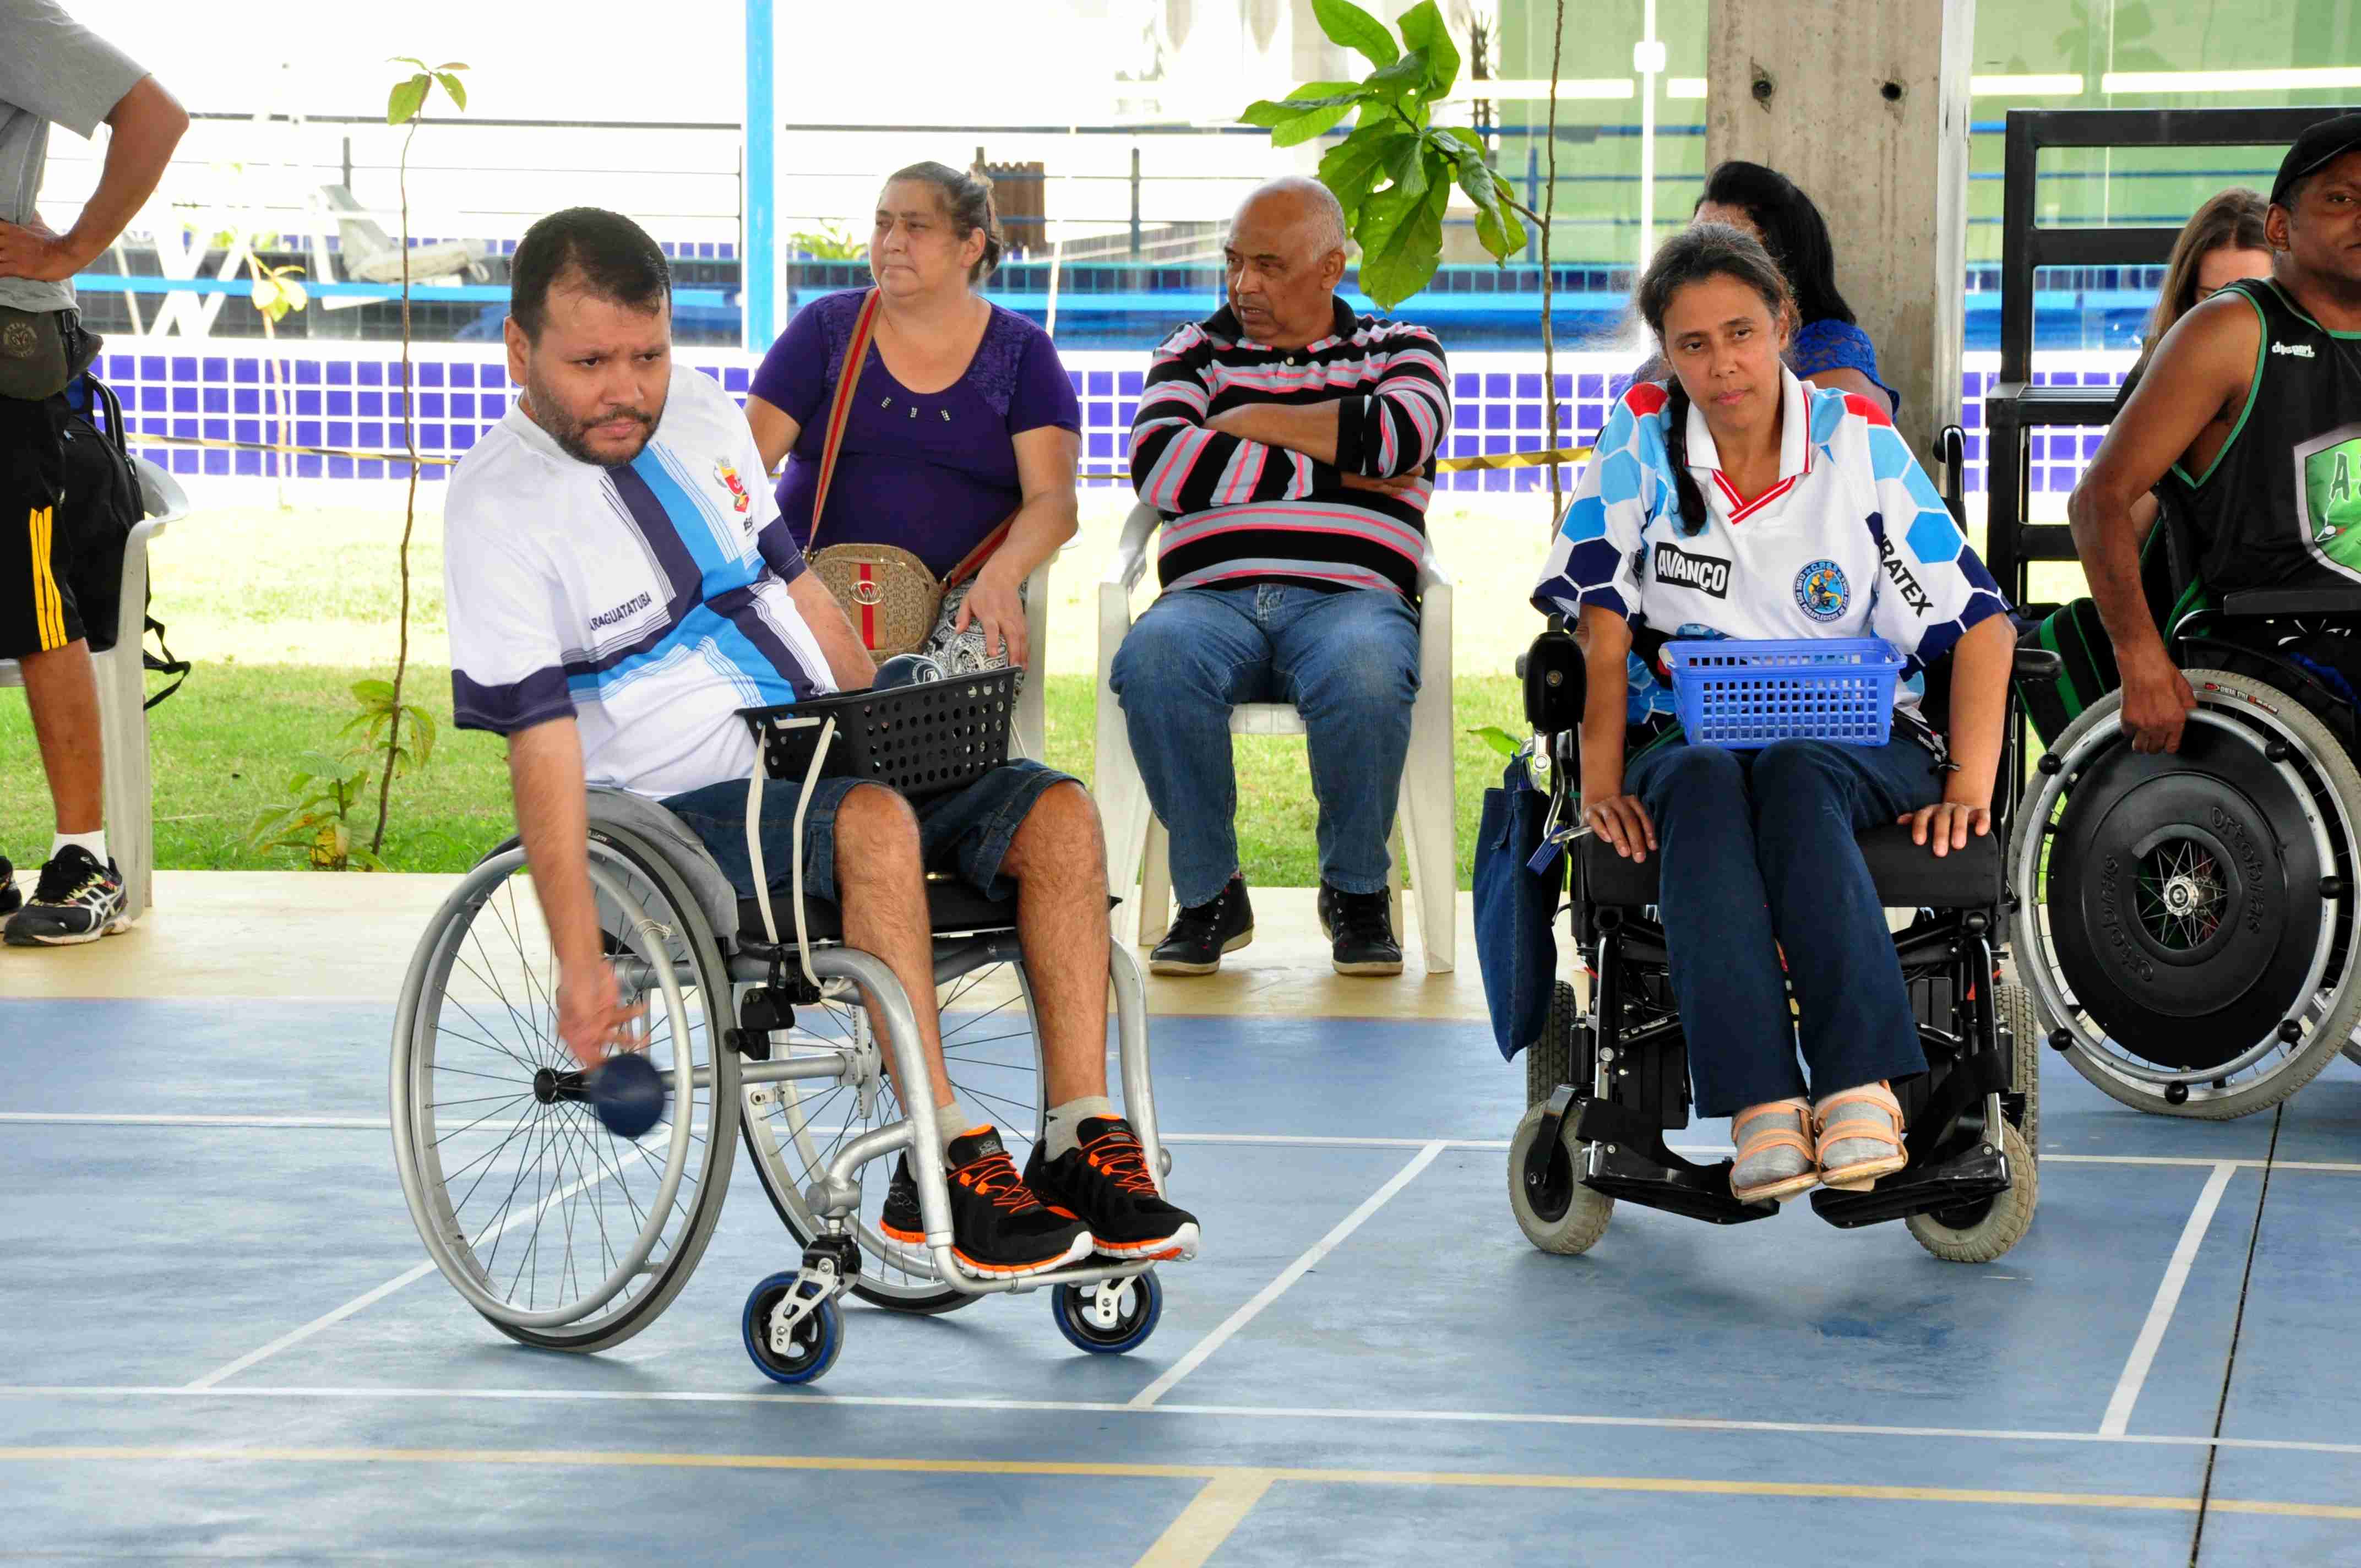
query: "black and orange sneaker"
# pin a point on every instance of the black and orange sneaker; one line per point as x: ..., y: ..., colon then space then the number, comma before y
x: 998, y: 1226
x: 1105, y: 1180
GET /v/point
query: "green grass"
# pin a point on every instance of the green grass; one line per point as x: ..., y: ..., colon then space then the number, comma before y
x: 222, y: 749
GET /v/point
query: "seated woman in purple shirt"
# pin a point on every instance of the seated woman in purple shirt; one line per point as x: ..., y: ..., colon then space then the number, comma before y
x: 962, y: 414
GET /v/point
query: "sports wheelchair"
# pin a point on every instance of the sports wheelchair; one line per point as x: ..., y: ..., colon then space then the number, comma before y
x: 566, y: 1238
x: 1609, y: 1075
x: 2187, y: 929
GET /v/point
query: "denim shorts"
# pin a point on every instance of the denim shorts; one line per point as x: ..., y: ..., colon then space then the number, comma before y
x: 966, y: 832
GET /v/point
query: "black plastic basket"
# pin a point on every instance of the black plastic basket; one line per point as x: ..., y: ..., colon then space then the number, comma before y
x: 922, y: 739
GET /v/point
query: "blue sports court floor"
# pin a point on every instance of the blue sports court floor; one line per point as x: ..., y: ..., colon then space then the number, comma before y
x: 223, y: 1342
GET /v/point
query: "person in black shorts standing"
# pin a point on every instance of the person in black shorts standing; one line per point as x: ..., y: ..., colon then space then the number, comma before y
x: 54, y: 71
x: 2248, y: 423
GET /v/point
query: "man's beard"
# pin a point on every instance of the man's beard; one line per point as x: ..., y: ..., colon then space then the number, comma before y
x: 567, y: 432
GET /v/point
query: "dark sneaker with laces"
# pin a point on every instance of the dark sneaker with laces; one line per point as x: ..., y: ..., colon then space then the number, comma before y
x: 11, y: 900
x: 1204, y: 932
x: 77, y: 900
x: 1105, y: 1180
x: 1360, y: 927
x: 998, y: 1226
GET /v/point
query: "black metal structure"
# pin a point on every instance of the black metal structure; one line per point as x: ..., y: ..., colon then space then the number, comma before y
x: 2014, y: 405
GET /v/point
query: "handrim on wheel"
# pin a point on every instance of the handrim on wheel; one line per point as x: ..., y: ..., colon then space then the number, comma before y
x: 560, y: 1235
x: 2191, y: 906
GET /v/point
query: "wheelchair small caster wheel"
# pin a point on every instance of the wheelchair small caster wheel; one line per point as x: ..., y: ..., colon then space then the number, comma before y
x: 816, y: 1339
x: 1110, y: 1318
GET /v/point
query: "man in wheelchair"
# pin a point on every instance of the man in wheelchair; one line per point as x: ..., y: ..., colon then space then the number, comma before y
x: 2187, y: 921
x: 1737, y: 503
x: 2249, y: 425
x: 619, y: 585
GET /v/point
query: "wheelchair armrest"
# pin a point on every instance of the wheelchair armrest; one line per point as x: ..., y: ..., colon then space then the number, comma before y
x: 2037, y: 664
x: 1556, y: 682
x: 2292, y: 601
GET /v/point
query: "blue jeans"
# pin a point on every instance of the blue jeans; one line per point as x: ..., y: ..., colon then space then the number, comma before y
x: 968, y: 832
x: 1759, y: 855
x: 1347, y: 661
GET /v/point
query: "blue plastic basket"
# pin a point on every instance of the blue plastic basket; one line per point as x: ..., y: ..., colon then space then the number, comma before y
x: 1742, y: 696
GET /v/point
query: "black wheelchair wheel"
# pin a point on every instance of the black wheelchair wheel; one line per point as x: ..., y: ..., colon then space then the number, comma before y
x: 1548, y: 1062
x: 2186, y: 925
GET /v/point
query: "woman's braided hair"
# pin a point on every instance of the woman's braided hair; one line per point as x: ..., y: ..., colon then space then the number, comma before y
x: 1696, y: 253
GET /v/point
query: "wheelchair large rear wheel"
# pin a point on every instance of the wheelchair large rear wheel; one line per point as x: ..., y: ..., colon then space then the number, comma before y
x: 2187, y: 920
x: 562, y: 1235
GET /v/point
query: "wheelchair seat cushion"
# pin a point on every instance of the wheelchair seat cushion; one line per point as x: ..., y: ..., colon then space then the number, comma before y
x: 951, y: 905
x: 1907, y: 875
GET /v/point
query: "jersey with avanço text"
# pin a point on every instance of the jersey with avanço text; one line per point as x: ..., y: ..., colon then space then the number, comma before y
x: 1852, y: 540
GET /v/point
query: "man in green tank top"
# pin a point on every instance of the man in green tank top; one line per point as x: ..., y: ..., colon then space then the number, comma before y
x: 2249, y: 421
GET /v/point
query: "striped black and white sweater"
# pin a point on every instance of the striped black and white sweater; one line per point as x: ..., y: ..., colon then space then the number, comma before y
x: 1238, y: 511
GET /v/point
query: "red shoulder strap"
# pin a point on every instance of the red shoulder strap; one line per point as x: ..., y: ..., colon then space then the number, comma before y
x: 840, y: 411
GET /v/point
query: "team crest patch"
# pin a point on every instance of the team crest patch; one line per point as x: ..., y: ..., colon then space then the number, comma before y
x: 736, y: 485
x: 1821, y: 591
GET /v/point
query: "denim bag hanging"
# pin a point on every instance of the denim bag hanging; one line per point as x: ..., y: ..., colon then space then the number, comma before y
x: 1519, y: 876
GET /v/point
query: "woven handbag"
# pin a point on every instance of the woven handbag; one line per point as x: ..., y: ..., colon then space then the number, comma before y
x: 893, y: 601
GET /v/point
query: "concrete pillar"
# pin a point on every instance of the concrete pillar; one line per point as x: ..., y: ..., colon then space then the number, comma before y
x: 1865, y: 107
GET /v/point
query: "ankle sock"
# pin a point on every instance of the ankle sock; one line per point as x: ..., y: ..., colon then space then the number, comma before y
x: 94, y: 842
x: 1066, y: 1122
x: 951, y: 1121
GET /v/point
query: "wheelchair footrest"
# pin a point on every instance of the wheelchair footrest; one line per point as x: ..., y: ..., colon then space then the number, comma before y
x: 1979, y: 1172
x: 1628, y: 1161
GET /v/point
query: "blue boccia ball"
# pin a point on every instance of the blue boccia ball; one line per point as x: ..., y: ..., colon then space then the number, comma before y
x: 628, y: 1092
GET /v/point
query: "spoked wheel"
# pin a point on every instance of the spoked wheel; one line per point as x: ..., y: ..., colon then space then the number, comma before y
x: 793, y: 1128
x: 2187, y: 920
x: 561, y: 1235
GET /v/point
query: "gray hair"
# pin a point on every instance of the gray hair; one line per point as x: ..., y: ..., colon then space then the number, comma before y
x: 1326, y: 215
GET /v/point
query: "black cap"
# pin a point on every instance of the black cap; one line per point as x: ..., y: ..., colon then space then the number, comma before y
x: 2318, y: 147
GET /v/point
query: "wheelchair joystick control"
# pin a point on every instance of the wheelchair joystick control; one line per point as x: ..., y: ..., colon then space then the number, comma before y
x: 628, y: 1092
x: 2176, y: 1095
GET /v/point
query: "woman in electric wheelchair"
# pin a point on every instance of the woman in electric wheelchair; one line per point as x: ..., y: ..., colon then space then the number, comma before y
x: 1737, y: 503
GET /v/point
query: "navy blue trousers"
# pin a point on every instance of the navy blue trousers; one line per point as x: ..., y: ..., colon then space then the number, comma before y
x: 1759, y: 856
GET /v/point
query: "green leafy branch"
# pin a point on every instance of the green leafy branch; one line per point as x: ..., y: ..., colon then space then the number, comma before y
x: 1395, y: 172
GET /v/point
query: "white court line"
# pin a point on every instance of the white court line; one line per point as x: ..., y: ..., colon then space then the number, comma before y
x: 1294, y: 1271
x: 1285, y: 1140
x: 2168, y: 1298
x: 370, y: 1298
x: 1086, y: 1407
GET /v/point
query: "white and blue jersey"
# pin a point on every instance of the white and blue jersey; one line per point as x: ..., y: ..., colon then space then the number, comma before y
x: 648, y: 601
x: 1852, y: 540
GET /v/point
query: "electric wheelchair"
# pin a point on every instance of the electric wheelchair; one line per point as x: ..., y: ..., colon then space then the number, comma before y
x: 567, y: 1238
x: 1609, y: 1077
x: 2186, y: 928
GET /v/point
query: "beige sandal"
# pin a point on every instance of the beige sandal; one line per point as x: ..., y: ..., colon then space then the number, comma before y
x: 1861, y: 1136
x: 1776, y: 1158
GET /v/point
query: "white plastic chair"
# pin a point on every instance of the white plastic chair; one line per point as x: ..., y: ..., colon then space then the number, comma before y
x: 123, y: 696
x: 1029, y: 727
x: 1138, y: 850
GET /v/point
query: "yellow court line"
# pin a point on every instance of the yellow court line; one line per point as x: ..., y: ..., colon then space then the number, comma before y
x: 1209, y: 1519
x: 1244, y: 1475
